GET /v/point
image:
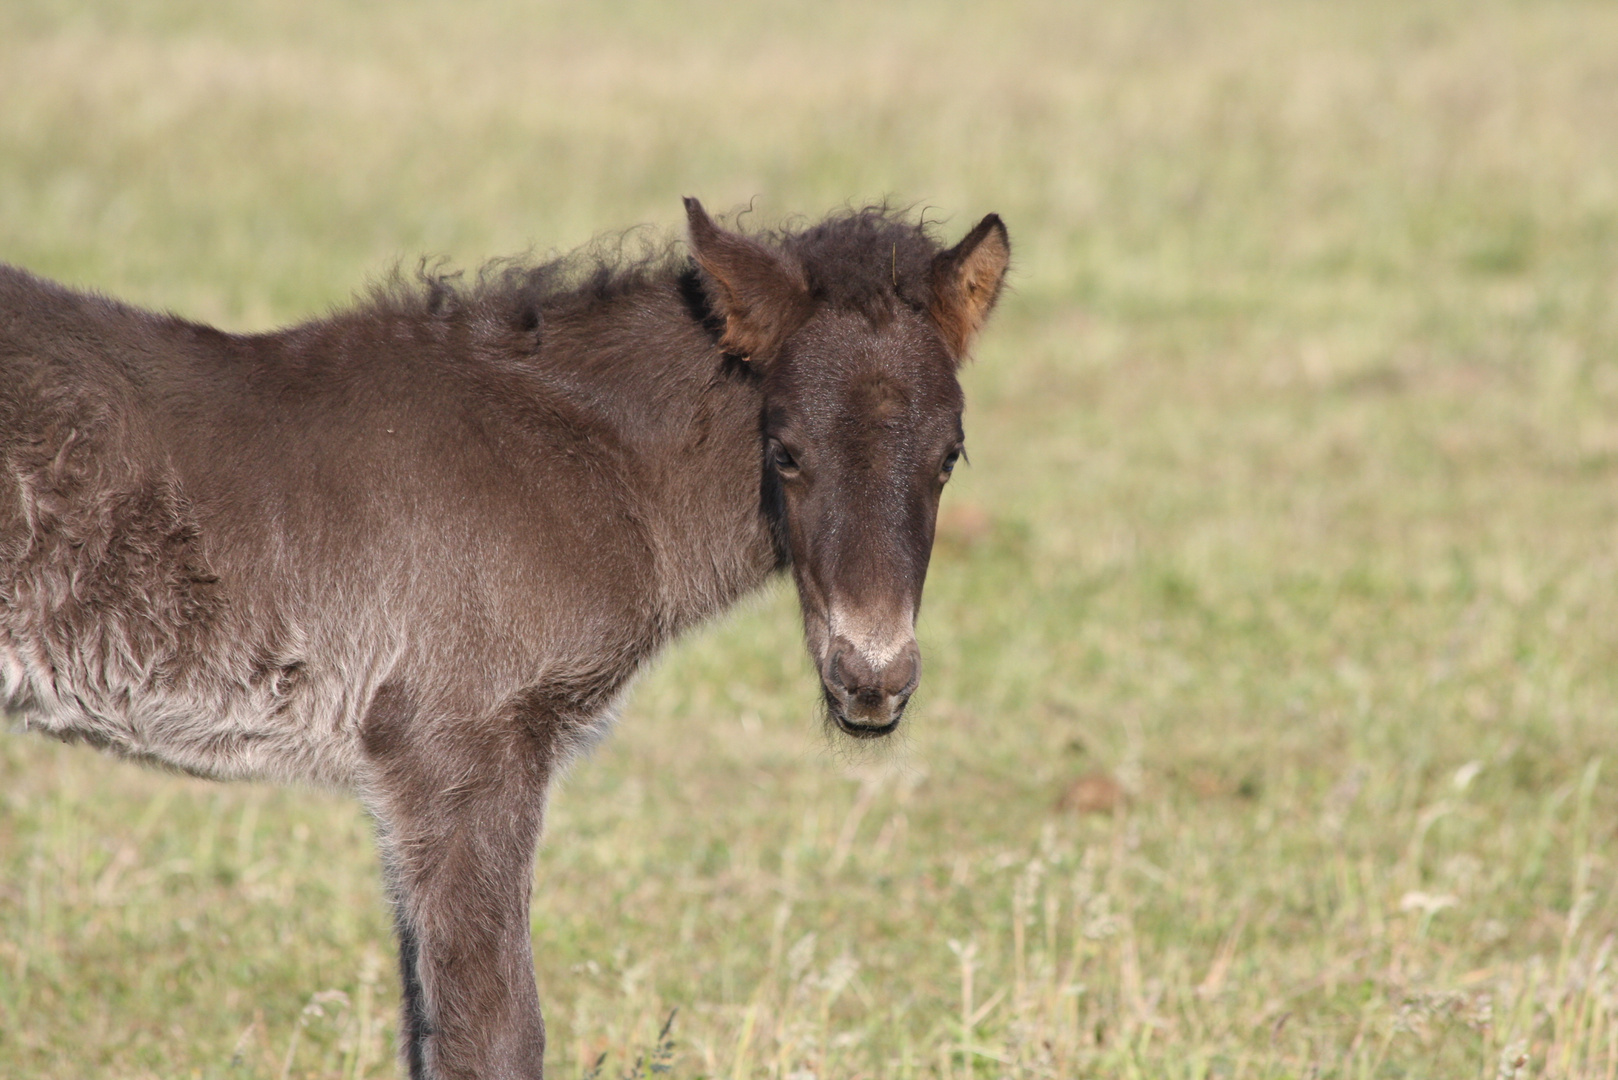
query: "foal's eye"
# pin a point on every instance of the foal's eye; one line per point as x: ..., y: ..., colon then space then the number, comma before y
x: 949, y: 463
x: 783, y: 459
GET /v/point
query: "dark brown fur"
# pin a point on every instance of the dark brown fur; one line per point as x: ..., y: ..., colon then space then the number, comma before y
x: 418, y: 549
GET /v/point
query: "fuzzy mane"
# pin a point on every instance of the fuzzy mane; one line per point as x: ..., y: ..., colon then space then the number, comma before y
x: 871, y: 260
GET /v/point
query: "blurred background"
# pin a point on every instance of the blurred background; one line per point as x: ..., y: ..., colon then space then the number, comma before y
x: 1270, y: 637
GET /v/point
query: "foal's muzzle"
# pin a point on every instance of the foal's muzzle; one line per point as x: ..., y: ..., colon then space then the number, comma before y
x: 866, y: 694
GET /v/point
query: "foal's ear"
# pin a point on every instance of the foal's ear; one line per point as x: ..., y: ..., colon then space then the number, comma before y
x: 966, y: 282
x: 762, y: 295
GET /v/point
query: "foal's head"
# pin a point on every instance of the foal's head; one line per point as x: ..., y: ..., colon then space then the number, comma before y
x: 856, y: 328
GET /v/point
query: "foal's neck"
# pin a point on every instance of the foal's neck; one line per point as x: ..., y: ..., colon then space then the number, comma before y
x: 689, y: 423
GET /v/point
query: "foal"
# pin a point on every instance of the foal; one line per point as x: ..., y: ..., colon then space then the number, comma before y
x: 417, y: 550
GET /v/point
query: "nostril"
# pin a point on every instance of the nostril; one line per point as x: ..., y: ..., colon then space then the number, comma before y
x: 838, y: 679
x: 849, y: 672
x: 903, y: 674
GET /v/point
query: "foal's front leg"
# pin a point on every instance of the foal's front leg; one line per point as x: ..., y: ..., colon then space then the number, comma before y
x: 460, y: 814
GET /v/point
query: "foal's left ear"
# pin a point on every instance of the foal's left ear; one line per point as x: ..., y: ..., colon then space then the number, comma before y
x: 966, y: 282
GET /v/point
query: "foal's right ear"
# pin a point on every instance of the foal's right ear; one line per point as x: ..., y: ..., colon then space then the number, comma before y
x: 761, y: 293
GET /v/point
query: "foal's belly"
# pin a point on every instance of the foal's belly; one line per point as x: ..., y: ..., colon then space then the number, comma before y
x: 280, y: 725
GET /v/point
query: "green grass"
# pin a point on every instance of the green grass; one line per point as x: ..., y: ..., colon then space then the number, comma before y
x: 1293, y: 510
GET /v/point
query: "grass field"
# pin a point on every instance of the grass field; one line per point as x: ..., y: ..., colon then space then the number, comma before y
x: 1272, y: 637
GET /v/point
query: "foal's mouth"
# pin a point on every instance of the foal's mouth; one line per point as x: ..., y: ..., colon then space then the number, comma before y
x: 855, y: 728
